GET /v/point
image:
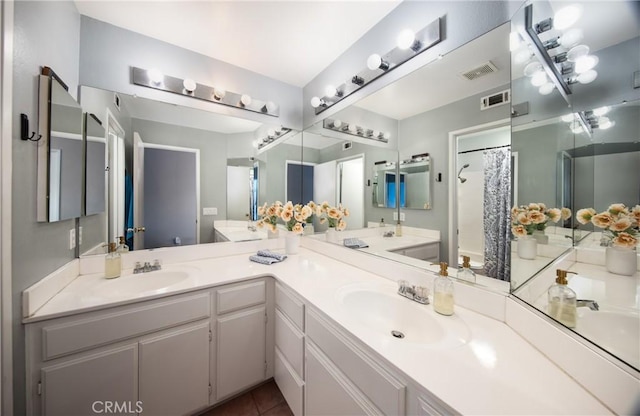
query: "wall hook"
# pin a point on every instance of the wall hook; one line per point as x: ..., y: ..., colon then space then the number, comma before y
x: 24, y: 129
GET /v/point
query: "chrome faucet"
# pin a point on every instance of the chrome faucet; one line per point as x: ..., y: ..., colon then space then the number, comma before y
x: 592, y: 304
x: 147, y: 267
x: 416, y: 293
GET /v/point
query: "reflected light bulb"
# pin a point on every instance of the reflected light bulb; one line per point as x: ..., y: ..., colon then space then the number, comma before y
x: 532, y: 68
x: 219, y: 93
x: 539, y: 79
x: 155, y: 75
x: 567, y: 16
x: 337, y: 123
x: 271, y: 107
x: 406, y: 39
x: 255, y: 143
x: 514, y: 41
x: 604, y: 123
x: 567, y: 118
x: 386, y: 135
x: 271, y: 133
x: 522, y: 56
x: 189, y: 85
x: 353, y: 128
x: 245, y: 99
x: 547, y: 88
x: 375, y: 134
x: 576, y: 52
x: 600, y: 111
x: 375, y: 61
x: 585, y: 63
x: 571, y: 38
x: 330, y: 91
x: 587, y: 77
x: 316, y: 102
x: 576, y: 127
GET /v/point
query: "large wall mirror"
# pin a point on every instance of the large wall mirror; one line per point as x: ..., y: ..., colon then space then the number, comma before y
x: 582, y: 153
x: 436, y: 122
x: 95, y: 165
x: 176, y: 175
x: 60, y: 157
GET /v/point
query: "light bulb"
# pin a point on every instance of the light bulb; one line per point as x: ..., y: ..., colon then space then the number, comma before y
x: 532, y: 68
x: 514, y: 41
x: 386, y: 135
x: 600, y: 111
x: 330, y: 91
x: 219, y: 93
x: 271, y: 107
x: 567, y: 118
x: 337, y: 123
x: 376, y: 62
x: 255, y: 144
x: 316, y: 102
x: 522, y: 56
x: 271, y: 133
x: 585, y: 63
x: 539, y: 79
x: 189, y: 85
x: 245, y: 100
x: 155, y: 76
x: 567, y: 16
x: 576, y: 127
x: 571, y: 38
x: 353, y: 129
x: 587, y: 77
x: 406, y: 39
x: 604, y: 123
x: 576, y: 52
x: 547, y: 88
x: 375, y: 134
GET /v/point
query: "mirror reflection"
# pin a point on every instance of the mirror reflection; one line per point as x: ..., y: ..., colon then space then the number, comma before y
x: 414, y: 182
x: 95, y: 165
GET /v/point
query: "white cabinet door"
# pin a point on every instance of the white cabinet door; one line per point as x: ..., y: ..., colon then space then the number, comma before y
x: 328, y: 392
x: 241, y: 351
x: 84, y: 386
x: 174, y: 371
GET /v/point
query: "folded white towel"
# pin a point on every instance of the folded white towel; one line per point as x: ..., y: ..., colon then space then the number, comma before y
x: 264, y: 260
x: 271, y: 254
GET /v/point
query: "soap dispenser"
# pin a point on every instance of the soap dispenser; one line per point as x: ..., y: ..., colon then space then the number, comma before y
x: 122, y: 245
x: 465, y: 273
x: 112, y: 263
x: 398, y: 229
x: 443, y: 292
x: 562, y: 301
x: 381, y: 225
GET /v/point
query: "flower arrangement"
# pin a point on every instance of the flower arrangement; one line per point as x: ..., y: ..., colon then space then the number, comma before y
x: 620, y: 224
x: 526, y: 219
x: 334, y: 216
x: 293, y: 216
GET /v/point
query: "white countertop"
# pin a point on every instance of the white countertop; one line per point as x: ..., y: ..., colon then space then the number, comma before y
x: 496, y: 372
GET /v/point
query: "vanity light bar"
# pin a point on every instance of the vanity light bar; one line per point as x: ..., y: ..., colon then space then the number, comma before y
x: 424, y: 39
x: 272, y: 137
x: 156, y: 80
x: 354, y: 130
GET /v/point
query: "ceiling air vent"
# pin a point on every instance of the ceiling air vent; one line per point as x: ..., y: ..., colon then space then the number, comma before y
x: 347, y: 145
x: 484, y: 69
x: 494, y: 100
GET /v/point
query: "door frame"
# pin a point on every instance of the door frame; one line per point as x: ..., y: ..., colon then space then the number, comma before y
x: 113, y: 207
x: 453, y: 182
x: 147, y: 145
x: 364, y: 188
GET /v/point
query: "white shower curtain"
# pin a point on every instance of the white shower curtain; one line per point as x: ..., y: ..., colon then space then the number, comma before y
x: 497, y: 201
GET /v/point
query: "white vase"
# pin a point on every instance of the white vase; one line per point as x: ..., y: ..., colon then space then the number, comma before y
x: 272, y: 234
x: 527, y: 247
x: 540, y: 237
x: 332, y: 235
x: 291, y: 243
x: 308, y: 229
x: 621, y: 260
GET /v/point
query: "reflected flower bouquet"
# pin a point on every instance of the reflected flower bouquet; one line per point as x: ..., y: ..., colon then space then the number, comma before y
x: 293, y: 216
x: 526, y: 219
x: 620, y: 224
x: 334, y: 216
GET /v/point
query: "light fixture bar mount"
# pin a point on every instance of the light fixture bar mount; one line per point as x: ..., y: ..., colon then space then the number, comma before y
x: 359, y: 131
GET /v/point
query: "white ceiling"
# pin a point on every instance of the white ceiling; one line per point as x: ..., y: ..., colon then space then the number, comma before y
x: 291, y: 41
x: 440, y: 83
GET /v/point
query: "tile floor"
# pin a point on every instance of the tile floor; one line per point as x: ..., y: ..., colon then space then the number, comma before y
x: 264, y: 400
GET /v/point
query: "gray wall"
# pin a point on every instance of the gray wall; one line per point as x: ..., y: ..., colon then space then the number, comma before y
x: 45, y: 33
x: 429, y: 132
x: 463, y: 22
x: 108, y: 53
x: 213, y: 164
x: 272, y: 176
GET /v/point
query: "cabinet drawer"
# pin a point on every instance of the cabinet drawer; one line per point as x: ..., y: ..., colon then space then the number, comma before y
x: 290, y: 306
x: 75, y: 336
x: 384, y: 390
x: 289, y: 383
x: 240, y: 296
x: 290, y: 341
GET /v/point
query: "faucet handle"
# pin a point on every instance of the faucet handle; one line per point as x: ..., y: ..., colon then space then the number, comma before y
x: 156, y: 265
x: 137, y: 268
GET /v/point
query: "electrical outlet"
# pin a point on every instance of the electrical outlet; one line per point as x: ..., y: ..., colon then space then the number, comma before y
x: 80, y: 235
x: 210, y: 211
x: 395, y: 216
x: 72, y: 239
x: 402, y: 216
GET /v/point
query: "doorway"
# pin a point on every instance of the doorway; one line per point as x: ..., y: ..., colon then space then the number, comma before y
x: 116, y: 178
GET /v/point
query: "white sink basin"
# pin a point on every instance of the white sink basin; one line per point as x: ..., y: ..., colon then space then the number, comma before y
x: 378, y: 307
x: 143, y: 284
x: 617, y: 332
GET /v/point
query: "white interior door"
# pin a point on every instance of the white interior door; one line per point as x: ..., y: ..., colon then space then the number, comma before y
x: 324, y: 182
x: 238, y: 192
x: 351, y: 190
x: 138, y: 191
